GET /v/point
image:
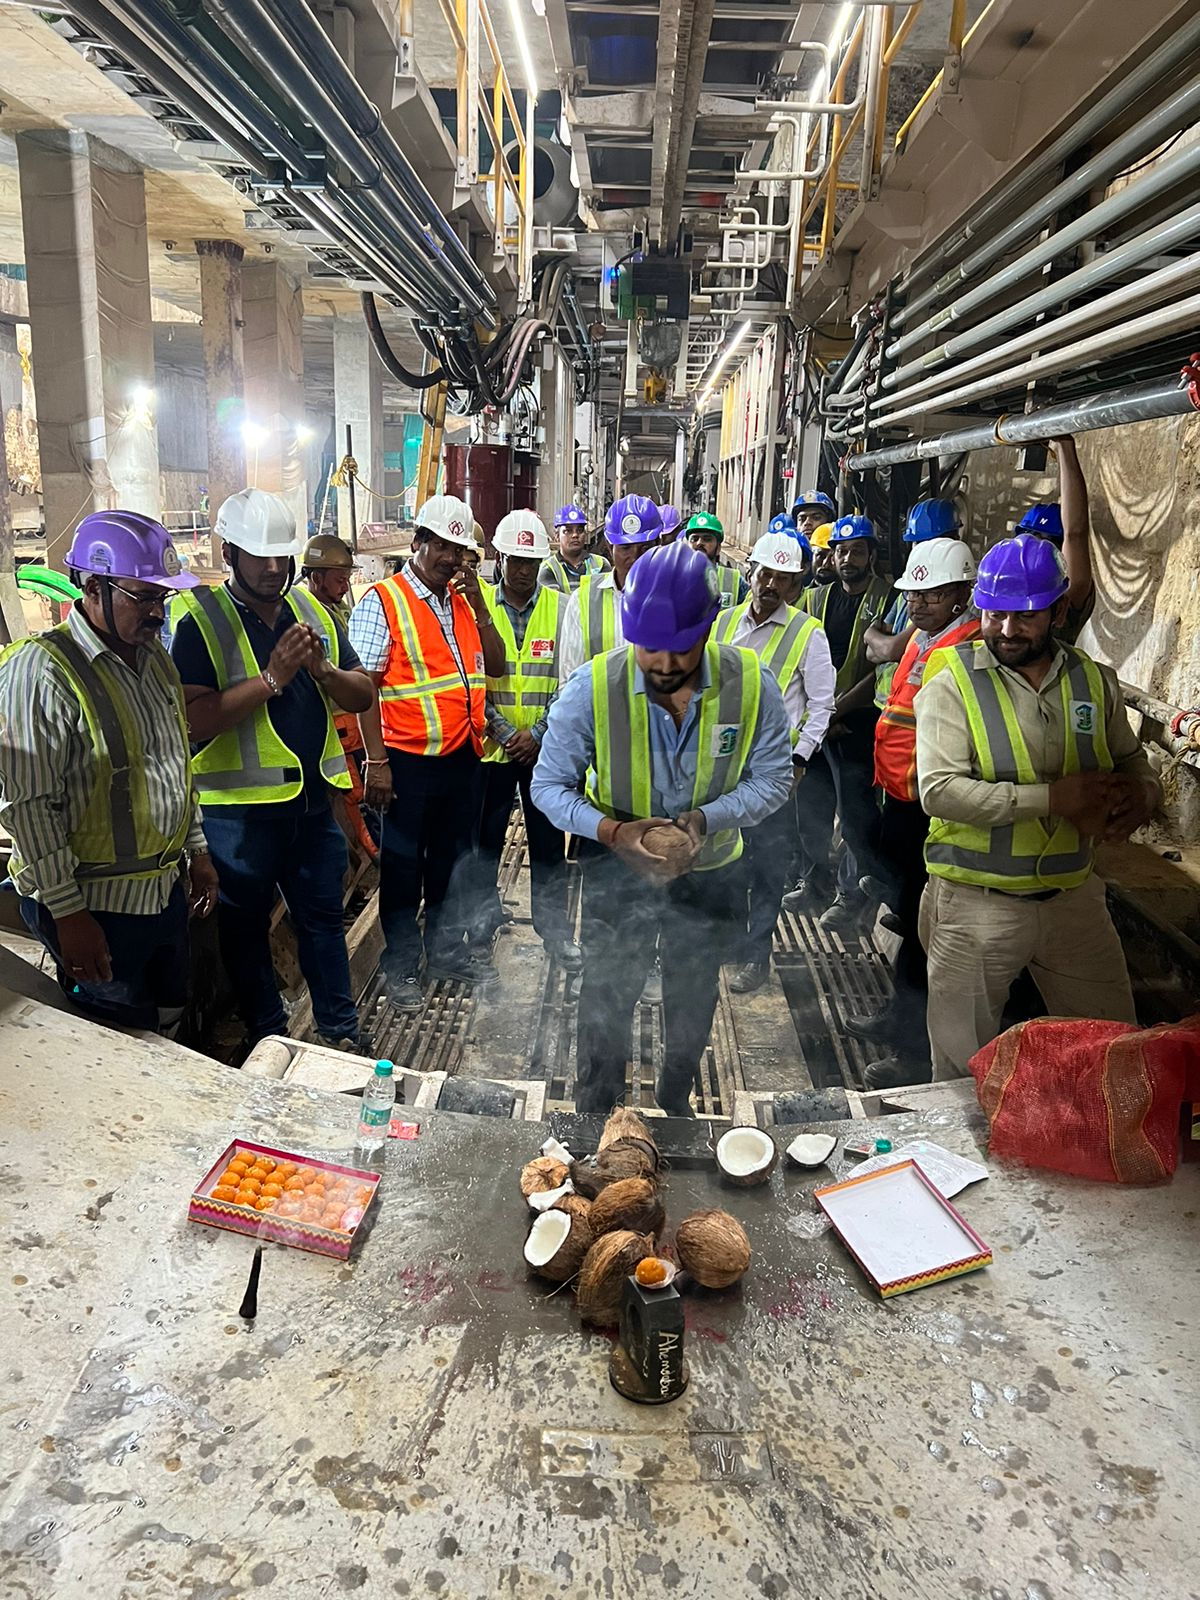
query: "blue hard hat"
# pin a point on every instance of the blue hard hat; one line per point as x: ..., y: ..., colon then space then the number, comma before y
x: 847, y: 528
x: 813, y: 500
x: 1044, y: 520
x: 1025, y: 573
x: 670, y: 517
x: 633, y: 519
x: 670, y: 599
x: 783, y: 523
x: 931, y: 519
x: 570, y: 517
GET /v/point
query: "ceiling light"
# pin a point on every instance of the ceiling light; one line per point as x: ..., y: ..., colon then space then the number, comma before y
x: 254, y: 434
x: 303, y: 433
x: 724, y: 357
x: 518, y: 22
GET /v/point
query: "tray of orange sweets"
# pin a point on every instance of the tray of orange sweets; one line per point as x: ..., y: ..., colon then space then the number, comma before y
x: 291, y: 1199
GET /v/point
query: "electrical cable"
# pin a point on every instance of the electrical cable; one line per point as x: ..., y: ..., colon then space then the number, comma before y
x: 383, y: 349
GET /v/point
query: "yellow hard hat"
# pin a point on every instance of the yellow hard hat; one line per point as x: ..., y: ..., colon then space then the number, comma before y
x: 325, y: 552
x: 819, y: 537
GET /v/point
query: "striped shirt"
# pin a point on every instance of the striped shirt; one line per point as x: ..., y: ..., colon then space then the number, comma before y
x: 372, y: 638
x: 47, y: 771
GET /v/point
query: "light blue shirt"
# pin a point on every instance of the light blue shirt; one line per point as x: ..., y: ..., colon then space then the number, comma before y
x: 569, y: 750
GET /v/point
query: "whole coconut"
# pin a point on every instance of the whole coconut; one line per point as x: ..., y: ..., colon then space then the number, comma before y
x: 631, y: 1203
x: 625, y: 1124
x: 668, y: 844
x: 626, y: 1158
x: 541, y: 1174
x: 713, y: 1247
x: 602, y: 1277
x: 576, y: 1204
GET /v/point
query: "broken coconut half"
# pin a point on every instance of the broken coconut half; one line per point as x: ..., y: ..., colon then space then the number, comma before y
x: 746, y: 1156
x: 557, y: 1244
x: 811, y: 1149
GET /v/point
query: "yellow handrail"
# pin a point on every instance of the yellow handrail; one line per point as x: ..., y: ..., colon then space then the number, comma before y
x: 957, y: 43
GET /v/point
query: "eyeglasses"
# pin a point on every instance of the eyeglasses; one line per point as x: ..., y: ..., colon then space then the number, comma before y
x: 159, y: 597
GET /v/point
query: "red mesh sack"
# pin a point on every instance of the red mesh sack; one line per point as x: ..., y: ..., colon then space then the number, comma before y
x: 1094, y: 1099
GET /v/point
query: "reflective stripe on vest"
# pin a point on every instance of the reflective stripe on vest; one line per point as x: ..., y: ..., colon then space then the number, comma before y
x: 728, y: 584
x: 885, y: 672
x: 620, y: 784
x: 854, y: 667
x: 555, y: 573
x: 896, y: 730
x: 785, y: 650
x: 530, y: 681
x: 114, y: 838
x: 426, y: 705
x: 1039, y: 853
x: 249, y: 764
x: 597, y: 617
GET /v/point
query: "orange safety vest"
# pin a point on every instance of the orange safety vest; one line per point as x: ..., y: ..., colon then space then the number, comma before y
x: 426, y: 704
x: 896, y: 730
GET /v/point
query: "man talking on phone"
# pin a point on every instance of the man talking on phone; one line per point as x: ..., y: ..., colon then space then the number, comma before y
x: 429, y: 642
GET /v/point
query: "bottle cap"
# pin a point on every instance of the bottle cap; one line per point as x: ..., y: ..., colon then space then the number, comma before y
x: 384, y: 1069
x: 882, y: 1146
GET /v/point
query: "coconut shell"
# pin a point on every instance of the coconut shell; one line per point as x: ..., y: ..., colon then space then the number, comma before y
x: 712, y: 1246
x: 626, y: 1158
x: 624, y: 1124
x: 541, y: 1174
x: 576, y: 1204
x: 631, y: 1203
x: 602, y: 1276
x: 568, y: 1258
x: 750, y: 1180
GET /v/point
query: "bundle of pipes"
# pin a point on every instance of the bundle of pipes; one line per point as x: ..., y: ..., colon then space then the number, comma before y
x: 974, y: 367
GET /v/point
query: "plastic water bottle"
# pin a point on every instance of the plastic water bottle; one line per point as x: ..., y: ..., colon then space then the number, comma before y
x: 379, y: 1097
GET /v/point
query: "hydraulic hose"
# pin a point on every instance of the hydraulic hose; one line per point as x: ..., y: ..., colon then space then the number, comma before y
x: 392, y: 362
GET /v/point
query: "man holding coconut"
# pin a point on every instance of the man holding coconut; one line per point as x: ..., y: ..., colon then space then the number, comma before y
x: 656, y: 756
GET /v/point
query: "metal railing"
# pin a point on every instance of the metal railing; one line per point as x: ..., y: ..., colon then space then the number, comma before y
x: 484, y: 93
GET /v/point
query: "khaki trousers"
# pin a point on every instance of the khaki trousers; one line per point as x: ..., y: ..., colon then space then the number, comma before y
x: 978, y: 941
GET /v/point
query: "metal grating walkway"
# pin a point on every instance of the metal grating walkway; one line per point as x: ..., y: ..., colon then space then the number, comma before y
x: 523, y: 1026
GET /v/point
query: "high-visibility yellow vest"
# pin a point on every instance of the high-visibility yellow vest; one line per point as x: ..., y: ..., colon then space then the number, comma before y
x: 555, y: 574
x: 530, y: 677
x: 728, y: 584
x: 620, y: 784
x: 785, y: 648
x: 115, y: 837
x: 1037, y: 853
x: 597, y: 616
x: 854, y: 667
x: 250, y: 764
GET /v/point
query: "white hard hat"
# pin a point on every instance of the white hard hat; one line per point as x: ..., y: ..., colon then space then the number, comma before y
x: 935, y: 562
x: 779, y: 551
x: 449, y: 517
x: 259, y: 523
x: 522, y: 533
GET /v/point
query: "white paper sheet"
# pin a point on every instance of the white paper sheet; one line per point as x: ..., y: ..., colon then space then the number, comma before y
x: 948, y: 1173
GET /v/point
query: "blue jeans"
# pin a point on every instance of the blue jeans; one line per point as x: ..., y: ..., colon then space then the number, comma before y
x: 303, y: 853
x: 149, y: 955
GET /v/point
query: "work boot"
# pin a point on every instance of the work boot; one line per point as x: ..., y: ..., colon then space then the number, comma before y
x: 891, y: 1072
x: 566, y: 952
x: 404, y: 993
x: 749, y: 978
x: 459, y: 965
x: 890, y: 921
x: 674, y: 1106
x: 347, y: 1045
x: 806, y: 899
x: 881, y: 1024
x: 845, y: 916
x: 875, y: 889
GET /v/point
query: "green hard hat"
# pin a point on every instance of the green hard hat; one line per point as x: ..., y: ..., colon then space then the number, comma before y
x: 705, y: 522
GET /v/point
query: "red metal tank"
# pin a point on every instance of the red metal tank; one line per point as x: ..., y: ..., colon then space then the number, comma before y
x: 481, y: 474
x: 525, y: 480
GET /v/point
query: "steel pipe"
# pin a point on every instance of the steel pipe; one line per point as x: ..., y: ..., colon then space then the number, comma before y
x: 1143, y: 77
x: 1113, y: 408
x: 1157, y: 181
x: 1166, y: 319
x: 1109, y: 265
x: 1175, y: 113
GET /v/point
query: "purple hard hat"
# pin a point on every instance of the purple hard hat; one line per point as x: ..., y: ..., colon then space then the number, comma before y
x: 669, y: 517
x: 1020, y: 574
x: 670, y: 599
x: 570, y: 517
x: 632, y: 520
x: 125, y: 544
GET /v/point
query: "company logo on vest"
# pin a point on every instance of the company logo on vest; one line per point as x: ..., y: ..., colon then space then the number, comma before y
x: 1083, y: 716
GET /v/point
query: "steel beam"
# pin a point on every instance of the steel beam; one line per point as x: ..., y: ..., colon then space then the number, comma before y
x: 687, y: 76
